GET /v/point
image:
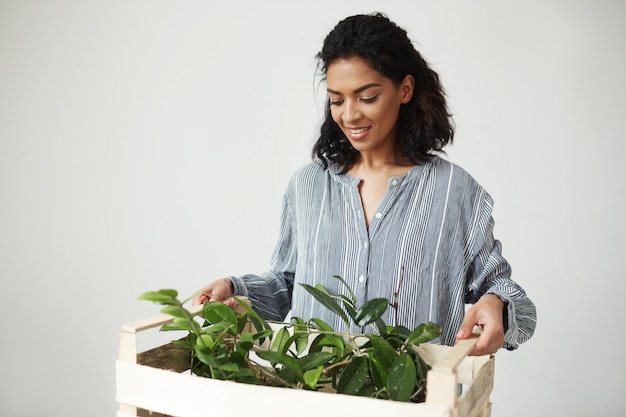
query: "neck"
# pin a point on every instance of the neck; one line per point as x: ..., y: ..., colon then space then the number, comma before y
x: 373, y: 162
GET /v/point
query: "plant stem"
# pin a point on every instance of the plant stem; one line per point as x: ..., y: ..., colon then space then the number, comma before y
x: 396, y: 295
x: 271, y: 375
x: 335, y: 365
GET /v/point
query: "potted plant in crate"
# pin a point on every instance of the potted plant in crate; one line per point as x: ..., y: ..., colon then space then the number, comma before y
x: 382, y: 362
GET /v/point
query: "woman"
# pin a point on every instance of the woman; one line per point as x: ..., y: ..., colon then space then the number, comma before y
x: 380, y: 209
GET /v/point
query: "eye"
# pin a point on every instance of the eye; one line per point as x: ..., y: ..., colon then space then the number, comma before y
x: 336, y: 102
x: 368, y: 99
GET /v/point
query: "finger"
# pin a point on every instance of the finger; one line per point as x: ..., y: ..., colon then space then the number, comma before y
x: 200, y: 296
x: 490, y: 341
x: 231, y: 302
x: 481, y: 347
x: 216, y: 296
x: 467, y: 326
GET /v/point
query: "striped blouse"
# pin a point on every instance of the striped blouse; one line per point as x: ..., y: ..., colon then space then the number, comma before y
x: 431, y: 243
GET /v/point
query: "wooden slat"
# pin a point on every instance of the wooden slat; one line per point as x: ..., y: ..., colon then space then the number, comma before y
x: 459, y: 351
x: 138, y: 412
x: 128, y: 347
x: 487, y: 412
x: 476, y: 396
x: 465, y: 370
x: 442, y: 389
x: 442, y: 385
x: 184, y: 395
x: 127, y: 410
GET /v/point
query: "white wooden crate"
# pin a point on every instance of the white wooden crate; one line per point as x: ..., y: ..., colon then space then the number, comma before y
x: 145, y: 388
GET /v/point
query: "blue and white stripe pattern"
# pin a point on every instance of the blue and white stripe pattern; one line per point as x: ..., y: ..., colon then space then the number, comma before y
x: 432, y: 237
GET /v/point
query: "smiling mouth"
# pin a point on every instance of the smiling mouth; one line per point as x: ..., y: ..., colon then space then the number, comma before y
x: 357, y: 133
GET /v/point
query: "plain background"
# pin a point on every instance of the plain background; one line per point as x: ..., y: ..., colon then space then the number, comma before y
x: 147, y: 144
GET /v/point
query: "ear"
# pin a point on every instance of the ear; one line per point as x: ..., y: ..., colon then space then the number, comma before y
x: 407, y: 87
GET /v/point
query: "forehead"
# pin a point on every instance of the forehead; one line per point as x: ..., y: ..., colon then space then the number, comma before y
x: 348, y: 74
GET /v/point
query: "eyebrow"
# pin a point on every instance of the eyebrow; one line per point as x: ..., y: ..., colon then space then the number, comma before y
x: 358, y: 90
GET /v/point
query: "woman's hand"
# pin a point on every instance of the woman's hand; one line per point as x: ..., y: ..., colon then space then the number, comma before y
x: 219, y: 290
x: 486, y: 313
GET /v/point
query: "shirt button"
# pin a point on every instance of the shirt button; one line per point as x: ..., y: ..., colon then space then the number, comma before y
x: 394, y: 182
x: 365, y: 244
x: 361, y: 278
x: 379, y: 215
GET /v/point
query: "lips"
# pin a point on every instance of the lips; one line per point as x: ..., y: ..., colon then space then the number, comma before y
x: 357, y: 133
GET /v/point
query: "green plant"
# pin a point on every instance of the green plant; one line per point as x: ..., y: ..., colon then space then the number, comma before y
x: 307, y: 355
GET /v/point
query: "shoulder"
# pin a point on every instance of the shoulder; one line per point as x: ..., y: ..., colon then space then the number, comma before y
x: 446, y: 169
x: 311, y: 176
x: 457, y: 181
x: 440, y: 166
x: 308, y: 173
x: 313, y: 168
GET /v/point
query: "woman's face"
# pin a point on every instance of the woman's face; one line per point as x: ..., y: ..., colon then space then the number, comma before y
x: 365, y: 104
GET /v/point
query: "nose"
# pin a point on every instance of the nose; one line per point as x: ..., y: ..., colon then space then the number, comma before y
x: 351, y: 112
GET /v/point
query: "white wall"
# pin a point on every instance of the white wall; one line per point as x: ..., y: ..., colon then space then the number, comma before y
x: 146, y: 144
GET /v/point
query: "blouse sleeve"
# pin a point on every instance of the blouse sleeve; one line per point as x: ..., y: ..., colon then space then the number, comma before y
x: 490, y: 273
x: 270, y: 292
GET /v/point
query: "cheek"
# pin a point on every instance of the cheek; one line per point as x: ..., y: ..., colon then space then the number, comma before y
x: 388, y: 116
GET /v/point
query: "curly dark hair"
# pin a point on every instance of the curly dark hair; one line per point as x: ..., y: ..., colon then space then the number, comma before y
x: 425, y: 125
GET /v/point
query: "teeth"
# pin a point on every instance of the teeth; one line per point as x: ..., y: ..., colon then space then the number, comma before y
x: 357, y: 131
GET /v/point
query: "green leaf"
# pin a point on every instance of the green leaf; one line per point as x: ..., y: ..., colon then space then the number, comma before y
x: 422, y: 369
x: 300, y: 334
x: 397, y: 335
x: 382, y: 327
x: 312, y: 376
x: 343, y: 281
x: 402, y: 378
x: 169, y: 327
x: 281, y: 341
x: 368, y: 390
x: 353, y: 376
x: 206, y: 355
x: 256, y: 320
x: 315, y: 359
x: 323, y: 297
x: 164, y: 296
x: 186, y: 324
x: 385, y: 353
x: 289, y: 363
x: 403, y: 333
x: 423, y: 333
x: 215, y: 312
x: 183, y: 343
x: 247, y: 341
x: 328, y: 340
x: 349, y: 306
x: 371, y: 311
x: 378, y: 373
x: 174, y: 311
x: 299, y: 326
x: 221, y: 327
x: 239, y: 355
x: 245, y: 375
x: 263, y: 334
x: 207, y: 342
x: 242, y: 321
x: 229, y: 367
x: 321, y: 325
